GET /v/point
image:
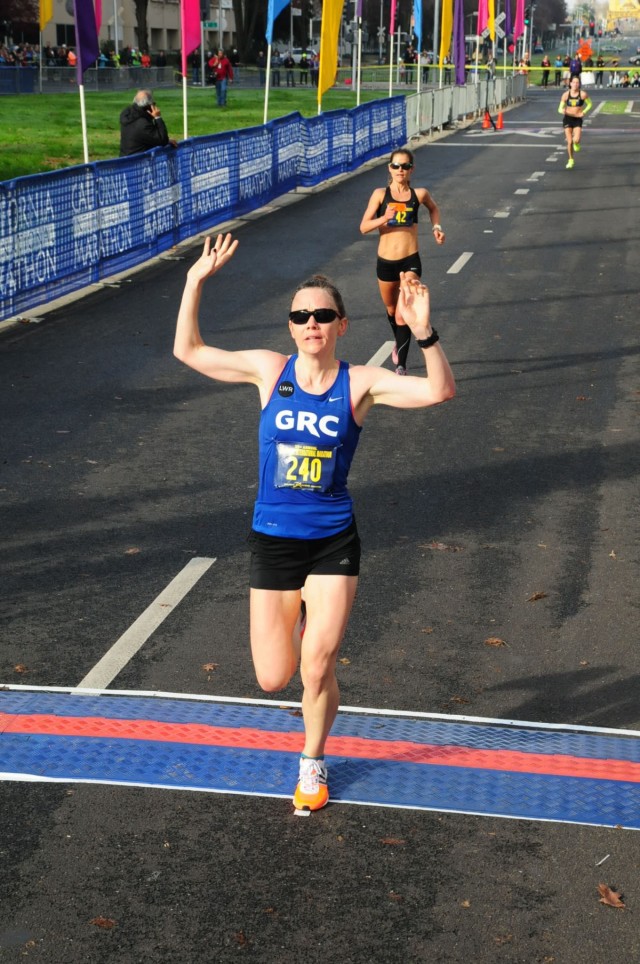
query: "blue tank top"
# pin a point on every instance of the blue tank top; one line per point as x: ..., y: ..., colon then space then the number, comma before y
x: 306, y: 445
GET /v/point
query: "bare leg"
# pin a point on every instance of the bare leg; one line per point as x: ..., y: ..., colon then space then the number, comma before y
x: 329, y: 600
x: 275, y: 636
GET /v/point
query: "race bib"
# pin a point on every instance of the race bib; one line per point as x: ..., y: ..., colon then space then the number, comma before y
x: 300, y: 466
x: 402, y: 214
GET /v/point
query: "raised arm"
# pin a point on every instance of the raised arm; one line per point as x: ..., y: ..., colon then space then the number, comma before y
x: 379, y: 386
x: 260, y: 368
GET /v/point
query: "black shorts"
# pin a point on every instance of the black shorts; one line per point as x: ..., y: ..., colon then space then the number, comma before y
x: 284, y: 564
x: 568, y: 121
x: 390, y: 270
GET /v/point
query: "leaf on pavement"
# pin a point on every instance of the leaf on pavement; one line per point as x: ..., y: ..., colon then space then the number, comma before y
x: 106, y: 922
x: 131, y: 552
x: 537, y: 595
x: 393, y: 841
x: 20, y: 668
x: 609, y: 896
x: 441, y: 547
x: 494, y: 641
x: 209, y: 667
x: 345, y: 661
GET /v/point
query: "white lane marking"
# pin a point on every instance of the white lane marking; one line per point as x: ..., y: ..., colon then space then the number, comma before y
x: 629, y: 107
x: 522, y: 190
x: 552, y: 158
x: 460, y: 263
x: 107, y: 668
x: 502, y: 214
x: 488, y: 231
x: 536, y: 175
x: 286, y: 704
x: 382, y: 353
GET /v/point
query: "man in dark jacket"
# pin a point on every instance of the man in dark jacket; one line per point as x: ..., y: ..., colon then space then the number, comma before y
x: 142, y: 127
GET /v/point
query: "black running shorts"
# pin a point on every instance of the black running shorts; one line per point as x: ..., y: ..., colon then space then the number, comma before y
x: 284, y: 564
x: 390, y: 270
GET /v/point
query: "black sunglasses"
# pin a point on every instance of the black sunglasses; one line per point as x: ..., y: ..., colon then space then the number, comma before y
x: 322, y: 315
x: 400, y: 167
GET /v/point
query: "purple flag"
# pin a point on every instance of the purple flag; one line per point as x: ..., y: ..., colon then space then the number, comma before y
x: 87, y: 47
x: 458, y: 43
x: 359, y: 9
x: 507, y: 20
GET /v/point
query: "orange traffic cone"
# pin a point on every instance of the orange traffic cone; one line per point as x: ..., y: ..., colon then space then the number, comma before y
x: 499, y: 122
x: 486, y: 121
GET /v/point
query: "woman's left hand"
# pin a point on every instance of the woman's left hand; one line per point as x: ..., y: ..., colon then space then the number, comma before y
x: 413, y: 304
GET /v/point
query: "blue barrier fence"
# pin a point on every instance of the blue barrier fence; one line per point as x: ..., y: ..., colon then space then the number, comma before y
x: 62, y: 231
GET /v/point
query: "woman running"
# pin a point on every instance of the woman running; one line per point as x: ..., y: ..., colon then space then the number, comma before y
x: 304, y: 535
x: 574, y: 104
x: 393, y: 211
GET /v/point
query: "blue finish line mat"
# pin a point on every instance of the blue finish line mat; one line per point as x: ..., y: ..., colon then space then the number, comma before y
x: 428, y: 762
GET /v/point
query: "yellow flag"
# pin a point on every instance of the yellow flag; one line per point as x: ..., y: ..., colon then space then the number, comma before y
x: 491, y: 19
x: 331, y: 16
x: 46, y: 12
x: 447, y: 30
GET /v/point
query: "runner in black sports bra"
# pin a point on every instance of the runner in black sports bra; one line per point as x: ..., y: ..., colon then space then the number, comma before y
x: 393, y: 212
x: 574, y: 104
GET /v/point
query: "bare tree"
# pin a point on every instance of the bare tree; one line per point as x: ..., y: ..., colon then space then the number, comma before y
x: 141, y: 24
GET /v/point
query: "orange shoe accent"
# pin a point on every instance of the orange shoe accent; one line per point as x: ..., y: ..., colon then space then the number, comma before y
x: 312, y: 792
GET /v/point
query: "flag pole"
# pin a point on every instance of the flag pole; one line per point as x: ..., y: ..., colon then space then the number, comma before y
x: 184, y: 107
x: 359, y: 62
x: 83, y: 118
x: 266, y: 85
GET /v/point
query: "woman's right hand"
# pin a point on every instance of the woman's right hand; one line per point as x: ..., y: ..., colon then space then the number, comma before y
x: 212, y: 258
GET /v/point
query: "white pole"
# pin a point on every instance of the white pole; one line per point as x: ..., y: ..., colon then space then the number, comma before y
x: 41, y: 61
x: 266, y: 85
x: 359, y: 65
x: 83, y: 118
x: 115, y: 27
x: 436, y: 37
x: 184, y: 106
x: 391, y: 39
x: 203, y: 81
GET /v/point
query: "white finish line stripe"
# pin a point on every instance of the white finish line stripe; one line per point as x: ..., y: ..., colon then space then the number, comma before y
x: 145, y: 625
x: 382, y: 354
x: 460, y: 263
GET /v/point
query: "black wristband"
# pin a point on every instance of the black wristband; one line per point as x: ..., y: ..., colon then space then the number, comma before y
x: 428, y: 342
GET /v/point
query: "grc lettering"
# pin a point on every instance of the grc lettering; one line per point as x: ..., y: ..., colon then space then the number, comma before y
x: 306, y: 422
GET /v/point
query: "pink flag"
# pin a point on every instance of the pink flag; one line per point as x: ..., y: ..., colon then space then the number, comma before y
x: 518, y: 27
x: 98, y: 8
x: 392, y: 19
x: 190, y: 29
x: 483, y: 16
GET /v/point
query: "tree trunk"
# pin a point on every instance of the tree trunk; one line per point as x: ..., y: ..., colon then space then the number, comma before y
x: 141, y: 21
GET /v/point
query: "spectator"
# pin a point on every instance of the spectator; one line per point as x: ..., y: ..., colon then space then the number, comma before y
x: 289, y: 64
x: 600, y: 71
x: 304, y: 69
x: 234, y: 60
x: 222, y: 74
x: 261, y: 62
x: 558, y: 69
x: 141, y: 126
x: 613, y: 76
x: 145, y: 59
x: 314, y: 68
x: 194, y: 61
x: 276, y: 64
x: 546, y: 70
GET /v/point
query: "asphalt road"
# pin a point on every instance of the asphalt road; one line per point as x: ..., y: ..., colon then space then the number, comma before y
x: 119, y: 466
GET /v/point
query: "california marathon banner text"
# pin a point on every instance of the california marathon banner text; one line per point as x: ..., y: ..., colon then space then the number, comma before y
x: 62, y: 231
